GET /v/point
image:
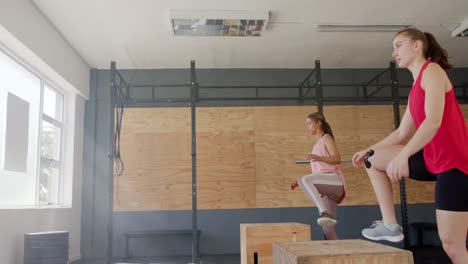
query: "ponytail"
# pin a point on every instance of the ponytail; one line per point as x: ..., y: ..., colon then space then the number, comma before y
x: 436, y: 53
x: 327, y: 129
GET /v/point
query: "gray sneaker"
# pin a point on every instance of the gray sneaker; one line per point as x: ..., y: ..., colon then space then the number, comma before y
x: 326, y: 219
x: 378, y: 231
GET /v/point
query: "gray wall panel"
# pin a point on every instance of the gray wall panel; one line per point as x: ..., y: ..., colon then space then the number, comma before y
x: 220, y: 227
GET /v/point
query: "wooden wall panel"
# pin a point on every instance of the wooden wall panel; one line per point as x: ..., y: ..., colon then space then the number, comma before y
x: 156, y: 120
x: 246, y: 156
x: 226, y: 157
x: 155, y: 149
x: 355, y: 128
x: 280, y: 140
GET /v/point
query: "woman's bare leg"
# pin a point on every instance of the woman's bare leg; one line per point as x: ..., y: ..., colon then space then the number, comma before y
x: 381, y: 183
x: 331, y: 205
x: 453, y: 228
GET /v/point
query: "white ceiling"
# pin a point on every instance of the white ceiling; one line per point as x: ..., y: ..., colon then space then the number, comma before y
x: 137, y: 33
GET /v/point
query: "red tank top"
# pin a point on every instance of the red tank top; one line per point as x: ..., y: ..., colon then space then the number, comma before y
x: 449, y: 147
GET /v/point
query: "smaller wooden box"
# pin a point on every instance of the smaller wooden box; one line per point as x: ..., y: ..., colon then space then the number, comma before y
x: 257, y: 239
x: 339, y: 251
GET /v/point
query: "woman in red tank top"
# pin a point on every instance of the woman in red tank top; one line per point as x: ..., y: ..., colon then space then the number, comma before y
x: 437, y: 138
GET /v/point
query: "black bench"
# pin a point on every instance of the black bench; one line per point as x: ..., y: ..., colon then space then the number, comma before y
x: 153, y: 233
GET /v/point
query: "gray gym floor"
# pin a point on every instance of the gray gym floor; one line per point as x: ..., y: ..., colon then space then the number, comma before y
x: 422, y: 255
x: 210, y: 259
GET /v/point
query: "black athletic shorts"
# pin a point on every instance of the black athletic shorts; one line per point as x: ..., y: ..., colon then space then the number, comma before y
x: 451, y: 191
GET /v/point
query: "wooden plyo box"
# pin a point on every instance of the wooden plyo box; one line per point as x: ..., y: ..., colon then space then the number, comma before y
x: 257, y: 239
x: 339, y: 251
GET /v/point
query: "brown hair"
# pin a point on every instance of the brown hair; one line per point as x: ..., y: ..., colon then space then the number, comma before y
x: 432, y: 49
x: 323, y: 124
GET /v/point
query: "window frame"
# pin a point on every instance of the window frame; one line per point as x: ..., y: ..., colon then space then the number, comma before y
x: 45, y: 161
x: 62, y: 164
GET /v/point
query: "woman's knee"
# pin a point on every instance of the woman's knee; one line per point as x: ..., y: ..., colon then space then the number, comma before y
x: 451, y: 246
x: 382, y: 157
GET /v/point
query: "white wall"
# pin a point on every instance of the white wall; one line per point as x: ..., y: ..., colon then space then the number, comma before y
x: 16, y: 222
x: 23, y: 20
x: 27, y: 34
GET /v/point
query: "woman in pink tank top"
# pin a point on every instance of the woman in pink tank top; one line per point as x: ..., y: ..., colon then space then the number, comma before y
x: 325, y: 185
x: 436, y: 137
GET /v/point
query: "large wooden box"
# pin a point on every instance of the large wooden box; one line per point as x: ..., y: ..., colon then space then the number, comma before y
x: 257, y: 239
x: 339, y: 252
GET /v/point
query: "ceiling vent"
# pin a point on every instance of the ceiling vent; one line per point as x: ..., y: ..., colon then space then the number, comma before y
x: 218, y: 23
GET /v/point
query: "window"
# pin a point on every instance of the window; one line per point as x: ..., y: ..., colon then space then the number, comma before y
x: 51, y: 133
x: 31, y: 137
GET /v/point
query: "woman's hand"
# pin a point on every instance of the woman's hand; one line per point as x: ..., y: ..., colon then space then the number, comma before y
x: 313, y: 157
x: 358, y: 158
x: 398, y: 167
x: 293, y: 185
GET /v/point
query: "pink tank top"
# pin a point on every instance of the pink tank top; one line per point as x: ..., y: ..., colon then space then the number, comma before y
x: 319, y: 149
x: 448, y: 149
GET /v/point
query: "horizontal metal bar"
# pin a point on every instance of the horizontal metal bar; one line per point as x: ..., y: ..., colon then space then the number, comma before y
x: 264, y: 86
x: 354, y: 85
x: 356, y: 99
x: 308, y: 161
x: 255, y: 98
x: 254, y: 86
x: 169, y: 100
x: 326, y: 100
x: 155, y: 85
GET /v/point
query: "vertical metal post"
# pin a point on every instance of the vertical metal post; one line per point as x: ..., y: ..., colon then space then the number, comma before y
x: 110, y: 215
x: 301, y: 100
x: 127, y: 91
x: 364, y: 91
x: 464, y: 94
x: 193, y: 102
x: 319, y: 88
x: 396, y: 117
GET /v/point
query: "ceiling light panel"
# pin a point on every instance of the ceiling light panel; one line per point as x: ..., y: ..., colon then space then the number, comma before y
x: 361, y: 28
x: 218, y: 23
